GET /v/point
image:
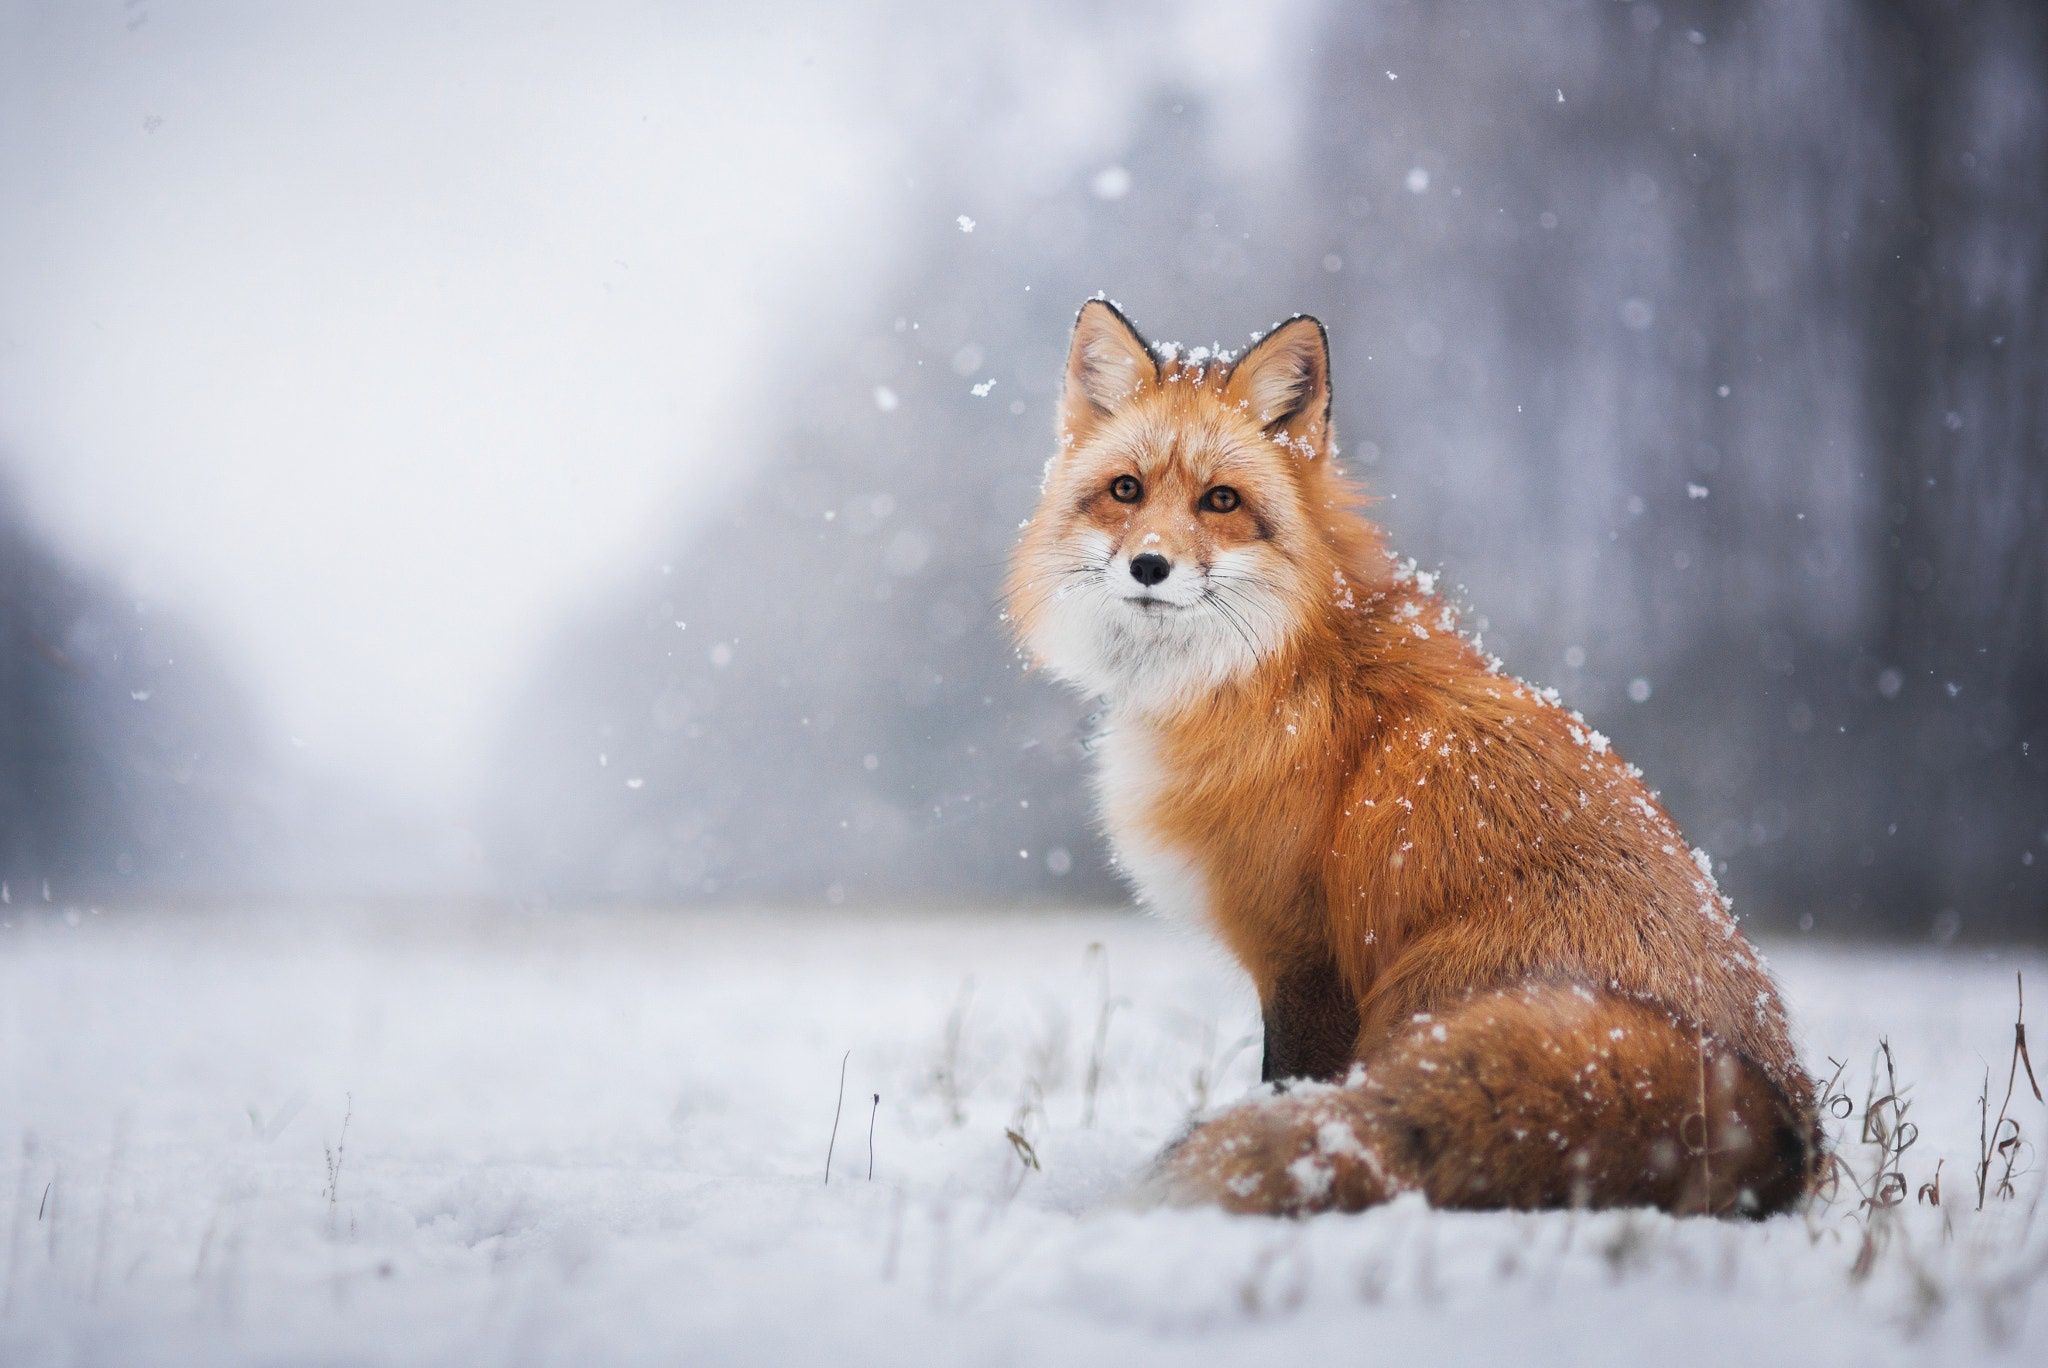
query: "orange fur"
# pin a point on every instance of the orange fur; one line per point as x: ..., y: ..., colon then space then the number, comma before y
x: 1543, y: 1095
x: 1379, y: 824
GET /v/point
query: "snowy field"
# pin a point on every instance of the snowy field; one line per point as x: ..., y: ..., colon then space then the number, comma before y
x: 596, y: 1140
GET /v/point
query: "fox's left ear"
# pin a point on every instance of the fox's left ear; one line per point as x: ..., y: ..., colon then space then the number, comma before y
x: 1284, y: 382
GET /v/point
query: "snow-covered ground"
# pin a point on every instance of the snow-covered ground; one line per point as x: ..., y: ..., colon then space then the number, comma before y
x: 602, y: 1139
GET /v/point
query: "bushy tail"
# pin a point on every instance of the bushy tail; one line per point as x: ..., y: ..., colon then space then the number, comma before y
x: 1543, y: 1095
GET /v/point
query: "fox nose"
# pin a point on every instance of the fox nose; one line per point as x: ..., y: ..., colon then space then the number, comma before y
x: 1150, y: 568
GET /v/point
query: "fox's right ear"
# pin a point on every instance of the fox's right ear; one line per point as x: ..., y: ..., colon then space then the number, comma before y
x: 1108, y: 365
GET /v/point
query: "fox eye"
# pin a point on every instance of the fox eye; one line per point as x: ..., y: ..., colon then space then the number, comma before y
x: 1126, y: 489
x: 1221, y: 499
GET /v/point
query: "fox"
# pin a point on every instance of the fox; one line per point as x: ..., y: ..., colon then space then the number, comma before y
x: 1489, y: 967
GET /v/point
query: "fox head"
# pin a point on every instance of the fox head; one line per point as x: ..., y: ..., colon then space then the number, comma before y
x: 1190, y: 522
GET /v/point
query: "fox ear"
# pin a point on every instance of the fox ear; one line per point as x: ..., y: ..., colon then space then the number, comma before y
x: 1107, y: 366
x: 1284, y: 382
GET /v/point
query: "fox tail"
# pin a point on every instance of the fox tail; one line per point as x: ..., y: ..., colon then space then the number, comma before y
x: 1541, y: 1095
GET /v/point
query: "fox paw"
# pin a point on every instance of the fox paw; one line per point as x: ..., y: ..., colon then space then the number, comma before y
x: 1289, y: 1155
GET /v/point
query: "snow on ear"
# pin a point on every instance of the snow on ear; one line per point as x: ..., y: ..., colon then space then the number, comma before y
x: 1284, y: 381
x: 1107, y: 365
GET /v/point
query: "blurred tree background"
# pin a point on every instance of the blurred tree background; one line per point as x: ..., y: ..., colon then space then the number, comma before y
x: 126, y: 758
x: 1701, y: 345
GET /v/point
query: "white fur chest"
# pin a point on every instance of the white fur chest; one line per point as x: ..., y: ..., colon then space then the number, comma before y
x: 1129, y: 783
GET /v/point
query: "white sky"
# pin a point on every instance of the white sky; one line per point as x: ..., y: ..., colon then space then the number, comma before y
x: 376, y: 341
x: 373, y: 344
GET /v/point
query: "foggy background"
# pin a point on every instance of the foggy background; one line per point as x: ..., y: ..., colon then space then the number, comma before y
x: 535, y: 455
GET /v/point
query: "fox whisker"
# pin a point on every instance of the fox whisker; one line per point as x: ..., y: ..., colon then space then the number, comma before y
x: 1247, y: 604
x: 1229, y: 615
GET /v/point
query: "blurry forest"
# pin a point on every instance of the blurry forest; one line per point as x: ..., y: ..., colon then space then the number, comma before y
x: 1576, y: 261
x: 1705, y: 346
x: 124, y: 754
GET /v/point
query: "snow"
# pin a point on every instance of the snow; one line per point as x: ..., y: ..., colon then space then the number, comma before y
x: 601, y: 1138
x: 1111, y: 183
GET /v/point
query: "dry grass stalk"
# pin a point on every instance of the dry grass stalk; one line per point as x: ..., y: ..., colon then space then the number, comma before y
x: 1026, y: 1155
x: 1107, y: 1007
x: 2003, y: 1139
x: 837, y: 1107
x: 945, y: 1076
x: 1886, y: 1129
x: 335, y: 1157
x: 1930, y: 1192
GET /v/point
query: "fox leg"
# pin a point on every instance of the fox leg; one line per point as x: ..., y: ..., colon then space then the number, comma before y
x: 1543, y: 1095
x: 1311, y: 1021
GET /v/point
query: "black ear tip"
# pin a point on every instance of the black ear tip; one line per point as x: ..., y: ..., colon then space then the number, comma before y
x: 1321, y: 331
x: 1292, y: 325
x: 1103, y: 308
x: 1104, y: 304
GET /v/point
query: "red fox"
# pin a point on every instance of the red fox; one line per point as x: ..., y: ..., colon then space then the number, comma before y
x: 1505, y: 978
